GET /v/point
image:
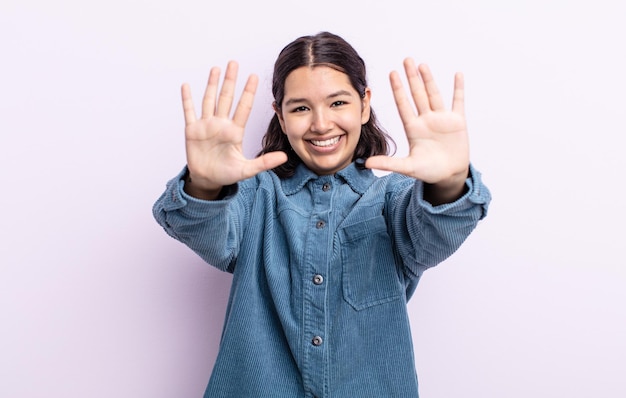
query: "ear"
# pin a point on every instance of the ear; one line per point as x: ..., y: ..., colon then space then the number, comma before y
x: 279, y: 115
x: 365, y: 106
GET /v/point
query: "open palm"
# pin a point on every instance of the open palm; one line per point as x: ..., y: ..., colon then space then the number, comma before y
x: 437, y: 138
x: 214, y: 141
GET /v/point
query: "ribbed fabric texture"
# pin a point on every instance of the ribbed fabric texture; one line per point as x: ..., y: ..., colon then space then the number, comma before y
x: 322, y: 269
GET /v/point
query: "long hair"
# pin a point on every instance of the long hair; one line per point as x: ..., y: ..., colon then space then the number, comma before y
x: 329, y: 50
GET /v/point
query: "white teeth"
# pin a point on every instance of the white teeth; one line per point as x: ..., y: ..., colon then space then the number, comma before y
x: 328, y: 142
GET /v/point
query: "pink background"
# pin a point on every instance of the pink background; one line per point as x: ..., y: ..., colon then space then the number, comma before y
x: 97, y: 301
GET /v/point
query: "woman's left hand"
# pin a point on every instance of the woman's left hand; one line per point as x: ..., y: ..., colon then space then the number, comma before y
x: 438, y: 139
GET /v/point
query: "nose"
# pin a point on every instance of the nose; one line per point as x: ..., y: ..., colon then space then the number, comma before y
x: 321, y: 122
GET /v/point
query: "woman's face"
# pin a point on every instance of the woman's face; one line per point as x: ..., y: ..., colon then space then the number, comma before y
x: 321, y: 115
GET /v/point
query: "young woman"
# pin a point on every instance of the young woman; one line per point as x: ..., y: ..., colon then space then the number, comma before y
x: 324, y: 254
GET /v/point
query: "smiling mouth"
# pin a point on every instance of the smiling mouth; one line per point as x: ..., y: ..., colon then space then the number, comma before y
x: 328, y: 142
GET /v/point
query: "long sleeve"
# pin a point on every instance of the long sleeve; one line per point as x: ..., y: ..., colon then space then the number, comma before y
x: 426, y: 235
x: 212, y: 229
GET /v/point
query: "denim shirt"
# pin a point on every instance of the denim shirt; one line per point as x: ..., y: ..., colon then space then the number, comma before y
x: 322, y: 269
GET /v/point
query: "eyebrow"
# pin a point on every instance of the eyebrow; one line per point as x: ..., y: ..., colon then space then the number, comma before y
x: 333, y: 95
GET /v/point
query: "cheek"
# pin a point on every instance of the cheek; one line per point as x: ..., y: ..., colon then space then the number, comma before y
x: 351, y: 123
x: 295, y: 127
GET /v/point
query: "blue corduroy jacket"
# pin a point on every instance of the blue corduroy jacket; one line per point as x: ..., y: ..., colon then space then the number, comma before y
x: 322, y: 268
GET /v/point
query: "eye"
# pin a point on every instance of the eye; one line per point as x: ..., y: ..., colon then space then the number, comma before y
x: 338, y: 103
x: 299, y: 109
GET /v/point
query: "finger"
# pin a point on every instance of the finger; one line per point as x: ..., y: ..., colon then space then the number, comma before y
x: 388, y: 163
x: 405, y: 107
x: 264, y: 162
x: 458, y: 99
x: 434, y: 97
x: 416, y: 85
x: 208, y: 102
x: 188, y: 108
x: 227, y: 93
x: 242, y: 112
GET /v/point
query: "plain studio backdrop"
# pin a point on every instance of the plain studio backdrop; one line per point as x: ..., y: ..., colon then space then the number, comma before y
x: 97, y: 301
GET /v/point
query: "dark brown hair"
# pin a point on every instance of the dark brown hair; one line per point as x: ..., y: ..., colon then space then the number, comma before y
x: 330, y: 50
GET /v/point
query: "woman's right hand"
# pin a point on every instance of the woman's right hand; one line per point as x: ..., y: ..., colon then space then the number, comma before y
x: 214, y: 142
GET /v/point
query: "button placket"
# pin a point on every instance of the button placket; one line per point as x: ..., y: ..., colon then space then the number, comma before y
x: 314, y: 293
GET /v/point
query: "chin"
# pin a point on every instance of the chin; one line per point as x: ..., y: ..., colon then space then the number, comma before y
x: 328, y: 169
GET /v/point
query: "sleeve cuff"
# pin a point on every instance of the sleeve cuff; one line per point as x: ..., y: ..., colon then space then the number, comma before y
x: 477, y: 194
x: 177, y: 199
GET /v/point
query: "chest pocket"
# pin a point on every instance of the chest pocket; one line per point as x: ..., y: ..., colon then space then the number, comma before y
x: 369, y: 272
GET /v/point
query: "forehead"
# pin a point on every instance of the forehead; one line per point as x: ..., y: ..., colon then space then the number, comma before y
x: 320, y: 80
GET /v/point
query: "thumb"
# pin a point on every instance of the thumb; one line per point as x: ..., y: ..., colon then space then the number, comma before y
x: 265, y: 162
x: 386, y: 163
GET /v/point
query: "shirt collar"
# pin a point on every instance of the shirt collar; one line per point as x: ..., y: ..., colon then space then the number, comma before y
x: 359, y: 179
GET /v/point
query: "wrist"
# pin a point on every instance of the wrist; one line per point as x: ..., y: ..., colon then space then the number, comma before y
x: 200, y: 189
x: 448, y: 190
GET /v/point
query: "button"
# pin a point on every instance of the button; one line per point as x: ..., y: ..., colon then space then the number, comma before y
x: 317, y: 341
x: 320, y: 224
x: 318, y: 279
x: 326, y: 187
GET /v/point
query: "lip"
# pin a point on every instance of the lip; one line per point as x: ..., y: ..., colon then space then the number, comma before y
x: 325, y: 148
